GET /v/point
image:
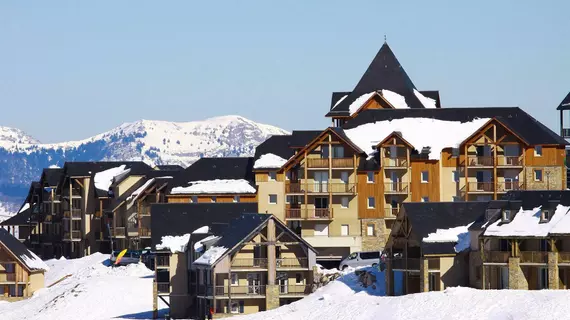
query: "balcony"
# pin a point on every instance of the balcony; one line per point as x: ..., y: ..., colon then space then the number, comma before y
x: 335, y: 163
x: 163, y: 287
x: 144, y: 232
x: 144, y: 211
x: 564, y: 258
x: 251, y: 263
x: 497, y: 257
x: 295, y: 290
x: 480, y: 161
x: 399, y: 162
x: 391, y: 213
x: 396, y: 187
x: 72, y: 236
x: 509, y: 161
x: 320, y: 188
x: 509, y: 186
x: 481, y: 187
x: 292, y: 263
x: 7, y: 277
x: 162, y: 261
x: 308, y: 214
x: 534, y: 257
x: 74, y: 214
x: 118, y: 232
x: 235, y: 291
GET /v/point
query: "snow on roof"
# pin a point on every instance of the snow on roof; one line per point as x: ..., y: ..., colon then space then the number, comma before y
x: 396, y: 100
x: 135, y: 195
x: 269, y: 161
x: 25, y: 207
x: 526, y: 223
x: 427, y: 102
x: 54, y: 166
x: 174, y: 243
x: 356, y: 104
x: 201, y: 230
x: 420, y: 132
x: 104, y: 179
x: 209, y: 240
x: 458, y: 235
x: 340, y: 100
x: 216, y: 187
x: 563, y: 226
x: 33, y: 261
x: 211, y: 255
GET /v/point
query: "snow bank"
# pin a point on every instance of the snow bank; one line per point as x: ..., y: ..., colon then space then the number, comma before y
x: 396, y: 100
x: 526, y: 223
x: 269, y: 161
x: 199, y: 245
x: 174, y: 243
x: 420, y: 132
x: 104, y: 179
x: 458, y: 235
x: 356, y: 104
x: 216, y: 187
x: 211, y: 255
x: 427, y: 102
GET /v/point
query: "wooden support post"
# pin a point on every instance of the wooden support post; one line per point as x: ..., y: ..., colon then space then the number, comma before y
x: 495, y: 178
x: 466, y: 166
x: 482, y: 252
x: 306, y: 186
x: 330, y: 175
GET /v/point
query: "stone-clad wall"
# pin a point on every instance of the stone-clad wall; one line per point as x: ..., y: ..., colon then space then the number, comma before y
x: 517, y: 280
x: 381, y: 234
x: 552, y: 178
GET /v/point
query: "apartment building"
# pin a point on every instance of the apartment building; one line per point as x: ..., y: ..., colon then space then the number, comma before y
x: 21, y: 271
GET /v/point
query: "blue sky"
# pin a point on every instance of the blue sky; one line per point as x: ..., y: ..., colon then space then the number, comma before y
x: 69, y: 70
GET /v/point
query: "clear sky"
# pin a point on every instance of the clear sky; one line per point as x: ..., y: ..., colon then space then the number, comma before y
x: 69, y: 70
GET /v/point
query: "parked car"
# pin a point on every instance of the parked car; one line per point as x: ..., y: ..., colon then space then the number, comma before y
x: 360, y: 259
x: 132, y: 256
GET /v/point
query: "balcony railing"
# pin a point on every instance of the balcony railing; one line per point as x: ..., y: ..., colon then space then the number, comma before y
x: 509, y: 186
x: 534, y: 257
x: 163, y: 287
x: 308, y: 214
x: 7, y: 277
x: 342, y: 162
x: 481, y: 186
x: 118, y: 231
x: 497, y: 256
x: 292, y: 289
x: 564, y: 257
x: 249, y: 290
x: 401, y: 162
x: 335, y: 163
x: 292, y: 263
x: 73, y: 235
x: 144, y: 232
x: 251, y: 263
x: 480, y: 161
x: 144, y: 211
x: 72, y: 214
x: 514, y: 161
x: 162, y: 261
x: 320, y: 188
x: 391, y: 212
x: 396, y: 187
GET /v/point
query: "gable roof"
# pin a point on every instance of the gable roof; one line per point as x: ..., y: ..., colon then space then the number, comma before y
x: 565, y: 104
x: 384, y: 73
x: 176, y: 219
x: 51, y: 176
x: 22, y: 218
x: 228, y: 168
x: 84, y: 169
x: 21, y: 252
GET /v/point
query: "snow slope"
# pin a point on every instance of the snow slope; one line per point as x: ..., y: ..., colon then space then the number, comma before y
x: 92, y: 292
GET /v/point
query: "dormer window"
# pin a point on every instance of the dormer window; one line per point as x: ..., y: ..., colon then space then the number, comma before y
x: 545, y: 216
x: 507, y: 216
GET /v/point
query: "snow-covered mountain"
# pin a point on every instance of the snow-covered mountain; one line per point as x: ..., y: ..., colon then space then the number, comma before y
x: 156, y: 142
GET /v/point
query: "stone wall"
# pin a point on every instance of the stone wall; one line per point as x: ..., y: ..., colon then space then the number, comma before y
x: 517, y: 280
x: 553, y: 278
x: 424, y: 275
x: 378, y: 240
x: 271, y: 297
x: 552, y: 178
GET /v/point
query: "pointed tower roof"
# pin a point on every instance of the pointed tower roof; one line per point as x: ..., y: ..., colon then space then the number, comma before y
x: 565, y: 104
x: 384, y: 73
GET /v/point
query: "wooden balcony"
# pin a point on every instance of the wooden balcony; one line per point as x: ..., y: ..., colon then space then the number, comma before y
x: 509, y: 161
x: 295, y: 290
x: 249, y: 263
x: 509, y: 186
x: 72, y: 236
x: 564, y: 258
x: 118, y: 232
x: 481, y: 187
x: 308, y: 214
x: 237, y: 291
x: 7, y: 277
x: 74, y: 214
x: 144, y: 211
x: 292, y: 263
x: 163, y: 261
x: 321, y: 188
x: 480, y: 161
x: 391, y: 213
x: 534, y: 257
x: 144, y: 232
x: 497, y: 257
x: 399, y: 162
x: 335, y: 163
x: 396, y: 187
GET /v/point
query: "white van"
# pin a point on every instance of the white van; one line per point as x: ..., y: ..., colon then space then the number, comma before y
x: 360, y: 259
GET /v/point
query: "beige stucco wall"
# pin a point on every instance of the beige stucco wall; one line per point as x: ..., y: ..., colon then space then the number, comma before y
x: 126, y: 184
x: 448, y: 187
x: 36, y: 282
x: 179, y: 299
x: 264, y: 190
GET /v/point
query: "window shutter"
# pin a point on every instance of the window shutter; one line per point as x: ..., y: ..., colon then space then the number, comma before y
x: 241, y: 307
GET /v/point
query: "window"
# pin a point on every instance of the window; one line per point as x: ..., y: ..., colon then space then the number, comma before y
x: 272, y: 199
x: 370, y: 230
x: 299, y: 278
x: 236, y: 307
x: 543, y: 278
x: 370, y: 177
x: 455, y: 175
x: 344, y: 202
x: 338, y: 152
x: 344, y: 230
x: 9, y: 267
x: 236, y: 198
x: 194, y: 199
x: 506, y: 215
x: 235, y: 280
x: 537, y: 175
x: 288, y: 199
x: 344, y: 177
x: 545, y: 216
x: 371, y: 203
x: 272, y: 175
x: 425, y: 199
x: 370, y: 255
x: 538, y: 151
x: 321, y: 230
x: 213, y: 199
x: 425, y: 176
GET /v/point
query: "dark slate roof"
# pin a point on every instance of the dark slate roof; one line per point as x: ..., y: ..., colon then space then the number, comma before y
x: 169, y: 167
x: 51, y: 176
x: 336, y: 96
x: 432, y: 94
x: 530, y: 199
x: 520, y: 122
x: 176, y: 219
x: 384, y: 72
x: 278, y: 145
x: 427, y: 217
x: 17, y: 248
x: 83, y: 169
x: 19, y: 219
x: 565, y: 104
x: 302, y: 137
x: 215, y: 168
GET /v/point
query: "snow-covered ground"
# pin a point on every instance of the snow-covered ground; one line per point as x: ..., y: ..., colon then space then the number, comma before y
x: 93, y: 291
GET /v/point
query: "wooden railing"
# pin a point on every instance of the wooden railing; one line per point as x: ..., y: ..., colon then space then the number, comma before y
x: 396, y: 187
x: 294, y: 213
x: 508, y: 186
x: 295, y: 289
x: 249, y: 290
x: 334, y: 163
x: 497, y: 256
x: 317, y: 163
x: 391, y: 212
x: 73, y: 214
x: 342, y: 162
x: 75, y: 235
x: 144, y: 232
x: 395, y: 162
x: 534, y: 257
x: 292, y: 263
x: 308, y: 214
x: 481, y: 186
x: 515, y: 161
x: 118, y: 231
x: 320, y: 188
x: 162, y: 261
x: 480, y: 161
x: 250, y: 263
x: 294, y: 187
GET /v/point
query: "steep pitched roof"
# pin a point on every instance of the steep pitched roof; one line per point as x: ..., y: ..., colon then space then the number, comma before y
x: 565, y: 104
x: 84, y: 169
x: 215, y: 168
x: 22, y: 218
x: 176, y: 219
x: 278, y: 145
x: 21, y: 252
x: 384, y: 73
x: 51, y: 176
